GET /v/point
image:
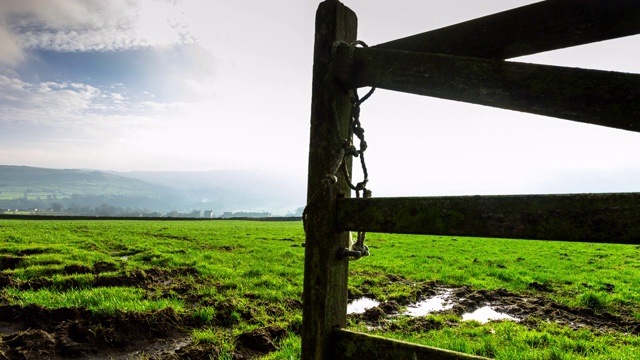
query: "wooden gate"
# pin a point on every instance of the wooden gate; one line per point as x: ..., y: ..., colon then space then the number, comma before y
x: 463, y: 62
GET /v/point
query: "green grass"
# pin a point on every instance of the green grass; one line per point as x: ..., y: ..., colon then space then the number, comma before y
x: 580, y: 274
x: 99, y: 300
x: 510, y: 341
x: 236, y: 276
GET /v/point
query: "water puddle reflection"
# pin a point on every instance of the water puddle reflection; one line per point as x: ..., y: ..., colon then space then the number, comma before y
x: 443, y: 300
x: 358, y: 306
x: 436, y: 303
x: 486, y: 313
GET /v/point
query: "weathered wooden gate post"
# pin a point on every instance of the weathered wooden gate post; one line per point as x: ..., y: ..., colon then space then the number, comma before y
x: 325, y: 276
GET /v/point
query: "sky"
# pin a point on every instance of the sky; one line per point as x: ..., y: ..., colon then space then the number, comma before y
x: 177, y: 85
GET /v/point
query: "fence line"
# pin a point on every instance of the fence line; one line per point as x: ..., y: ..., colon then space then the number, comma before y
x: 527, y: 30
x: 460, y: 62
x: 607, y: 218
x: 605, y: 98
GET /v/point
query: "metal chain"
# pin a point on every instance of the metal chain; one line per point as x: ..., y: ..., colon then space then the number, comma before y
x: 356, y: 129
x: 347, y: 148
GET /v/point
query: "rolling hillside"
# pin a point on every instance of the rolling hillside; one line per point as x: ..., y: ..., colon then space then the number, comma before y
x: 233, y: 190
x: 97, y: 192
x: 23, y: 182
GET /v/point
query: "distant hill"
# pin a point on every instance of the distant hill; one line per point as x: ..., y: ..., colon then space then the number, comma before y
x: 81, y: 192
x: 33, y: 182
x: 234, y: 190
x: 84, y: 191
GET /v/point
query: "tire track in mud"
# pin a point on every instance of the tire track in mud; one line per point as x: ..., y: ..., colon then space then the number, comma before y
x: 71, y: 333
x: 35, y: 332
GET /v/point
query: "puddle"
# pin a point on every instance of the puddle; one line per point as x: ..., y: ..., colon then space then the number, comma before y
x: 486, y: 313
x: 444, y: 299
x: 432, y: 304
x: 483, y: 306
x: 358, y: 306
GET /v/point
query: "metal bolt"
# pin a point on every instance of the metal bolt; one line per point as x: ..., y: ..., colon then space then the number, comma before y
x: 344, y: 253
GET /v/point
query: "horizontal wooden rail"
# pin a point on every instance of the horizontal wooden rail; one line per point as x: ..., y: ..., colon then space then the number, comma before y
x: 591, y: 96
x: 608, y: 218
x: 543, y: 26
x: 350, y: 345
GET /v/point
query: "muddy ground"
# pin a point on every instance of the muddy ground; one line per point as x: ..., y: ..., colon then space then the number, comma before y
x: 36, y: 333
x: 464, y: 300
x: 33, y: 332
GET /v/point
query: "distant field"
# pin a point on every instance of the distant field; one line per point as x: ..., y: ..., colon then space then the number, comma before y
x: 226, y: 289
x: 31, y: 192
x: 21, y: 182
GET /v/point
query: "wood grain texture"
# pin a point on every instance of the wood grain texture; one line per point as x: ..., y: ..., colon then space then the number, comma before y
x: 325, y: 276
x: 607, y: 218
x: 543, y: 26
x: 597, y: 97
x: 351, y: 345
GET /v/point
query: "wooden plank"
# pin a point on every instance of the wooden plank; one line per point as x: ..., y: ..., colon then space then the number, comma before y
x: 543, y: 26
x: 591, y: 96
x: 608, y: 218
x: 325, y: 276
x: 351, y: 345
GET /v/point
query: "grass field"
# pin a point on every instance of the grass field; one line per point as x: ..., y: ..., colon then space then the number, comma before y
x: 233, y: 289
x: 30, y: 192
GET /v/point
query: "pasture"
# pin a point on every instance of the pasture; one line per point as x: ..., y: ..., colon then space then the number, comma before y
x: 135, y: 289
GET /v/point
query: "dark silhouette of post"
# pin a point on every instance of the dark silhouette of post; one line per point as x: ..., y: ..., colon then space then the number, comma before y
x: 325, y: 275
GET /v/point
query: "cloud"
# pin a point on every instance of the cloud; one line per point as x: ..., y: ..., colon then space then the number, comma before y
x: 69, y: 103
x: 23, y: 101
x: 87, y: 25
x: 11, y: 53
x: 101, y: 42
x: 52, y: 123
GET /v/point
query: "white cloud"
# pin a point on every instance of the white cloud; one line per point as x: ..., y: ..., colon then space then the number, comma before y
x: 49, y: 123
x: 80, y: 40
x: 35, y: 102
x: 11, y: 53
x: 68, y: 103
x: 81, y: 25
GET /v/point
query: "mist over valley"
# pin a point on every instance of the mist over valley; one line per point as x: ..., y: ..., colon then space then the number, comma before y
x: 150, y: 193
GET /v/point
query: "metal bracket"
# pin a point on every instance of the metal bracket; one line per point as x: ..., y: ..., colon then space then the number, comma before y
x: 344, y: 253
